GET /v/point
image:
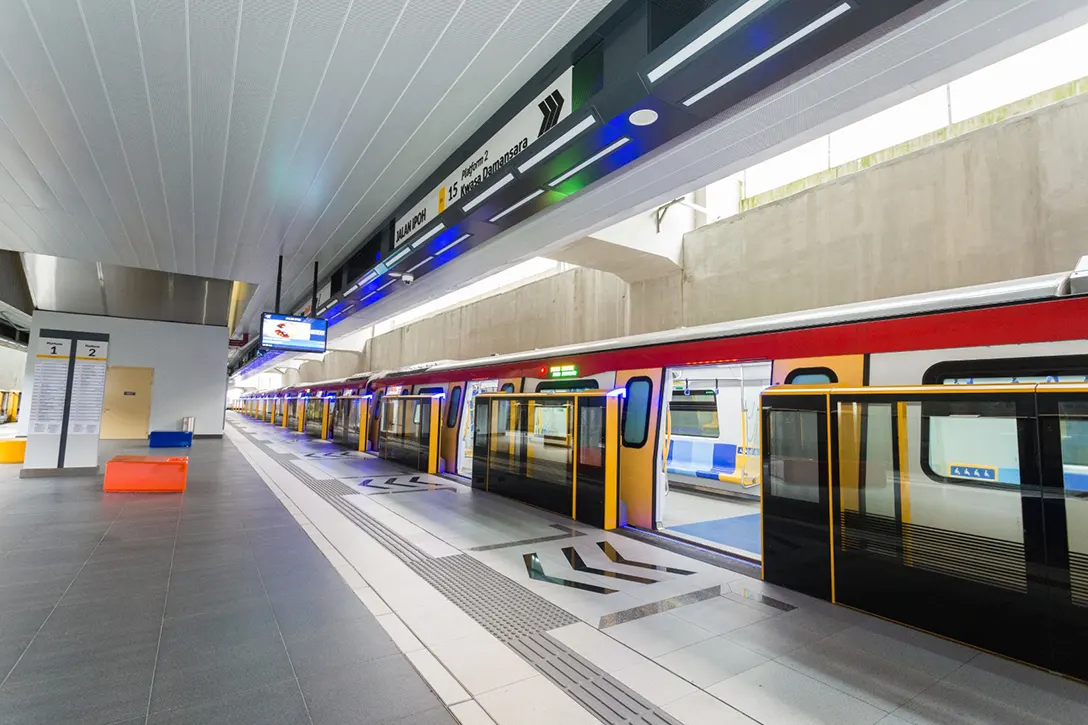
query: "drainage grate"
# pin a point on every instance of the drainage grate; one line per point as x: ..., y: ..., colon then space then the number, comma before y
x: 500, y: 605
x: 607, y: 699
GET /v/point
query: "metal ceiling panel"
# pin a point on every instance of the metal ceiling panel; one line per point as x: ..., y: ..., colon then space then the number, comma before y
x: 64, y: 285
x: 255, y: 78
x: 205, y: 136
x: 60, y: 29
x: 308, y: 67
x: 163, y: 37
x: 91, y: 288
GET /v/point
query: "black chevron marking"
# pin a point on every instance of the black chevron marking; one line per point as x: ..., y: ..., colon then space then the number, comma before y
x: 578, y: 564
x: 617, y: 557
x: 551, y: 108
x: 545, y: 107
x: 536, y: 571
x: 557, y: 97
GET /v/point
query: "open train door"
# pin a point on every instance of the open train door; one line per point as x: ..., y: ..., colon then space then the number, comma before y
x: 796, y: 493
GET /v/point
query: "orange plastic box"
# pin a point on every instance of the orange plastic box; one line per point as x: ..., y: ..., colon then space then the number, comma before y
x: 146, y: 474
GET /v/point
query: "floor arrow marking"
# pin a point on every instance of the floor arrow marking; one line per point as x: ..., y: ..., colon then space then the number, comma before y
x: 577, y: 564
x: 536, y: 571
x: 618, y: 558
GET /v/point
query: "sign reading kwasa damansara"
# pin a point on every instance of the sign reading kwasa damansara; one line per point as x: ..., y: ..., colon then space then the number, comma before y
x: 538, y: 118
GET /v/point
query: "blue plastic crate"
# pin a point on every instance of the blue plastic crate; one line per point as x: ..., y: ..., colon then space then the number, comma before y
x: 171, y: 439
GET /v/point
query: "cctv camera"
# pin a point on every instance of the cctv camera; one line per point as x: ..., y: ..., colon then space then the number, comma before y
x: 407, y: 278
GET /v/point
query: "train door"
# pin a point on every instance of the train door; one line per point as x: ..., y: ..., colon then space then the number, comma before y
x: 796, y: 525
x: 465, y: 438
x: 708, y: 477
x: 1063, y: 509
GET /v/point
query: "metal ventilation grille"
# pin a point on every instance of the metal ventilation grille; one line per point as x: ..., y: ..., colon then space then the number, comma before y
x: 1078, y: 577
x: 607, y: 699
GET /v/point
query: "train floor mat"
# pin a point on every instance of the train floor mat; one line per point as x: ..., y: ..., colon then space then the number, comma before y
x: 738, y: 532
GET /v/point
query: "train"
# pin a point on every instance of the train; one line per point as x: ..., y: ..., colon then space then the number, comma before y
x: 924, y: 457
x: 698, y: 408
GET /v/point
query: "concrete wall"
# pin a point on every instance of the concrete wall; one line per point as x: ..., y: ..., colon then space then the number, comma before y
x: 340, y: 364
x: 311, y: 371
x: 1007, y: 201
x: 575, y: 306
x: 190, y: 363
x: 12, y: 365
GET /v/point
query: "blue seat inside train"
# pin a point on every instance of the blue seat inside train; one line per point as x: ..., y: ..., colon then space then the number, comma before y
x: 703, y: 459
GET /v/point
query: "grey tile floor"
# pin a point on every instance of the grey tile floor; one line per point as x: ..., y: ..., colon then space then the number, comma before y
x: 209, y: 607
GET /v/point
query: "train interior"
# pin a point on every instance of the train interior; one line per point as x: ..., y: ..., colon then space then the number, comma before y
x: 465, y: 432
x: 708, y: 486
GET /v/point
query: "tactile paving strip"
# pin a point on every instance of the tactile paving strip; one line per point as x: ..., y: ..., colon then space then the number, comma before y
x: 500, y: 605
x: 506, y: 609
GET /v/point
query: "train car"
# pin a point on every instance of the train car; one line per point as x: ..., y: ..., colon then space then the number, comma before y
x: 690, y: 464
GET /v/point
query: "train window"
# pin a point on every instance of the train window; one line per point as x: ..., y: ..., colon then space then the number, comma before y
x: 502, y: 415
x: 970, y: 442
x: 811, y: 376
x: 377, y: 404
x: 636, y: 412
x: 794, y: 462
x: 431, y: 391
x: 1054, y: 369
x: 567, y: 386
x: 454, y: 410
x: 694, y: 413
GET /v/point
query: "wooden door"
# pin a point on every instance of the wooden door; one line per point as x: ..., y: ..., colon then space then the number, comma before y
x: 126, y: 409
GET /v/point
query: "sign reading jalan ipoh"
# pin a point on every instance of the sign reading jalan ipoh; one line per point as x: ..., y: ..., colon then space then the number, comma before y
x: 538, y: 118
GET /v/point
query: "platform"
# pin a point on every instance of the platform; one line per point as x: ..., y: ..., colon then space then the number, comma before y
x: 519, y: 617
x: 214, y: 606
x: 297, y: 582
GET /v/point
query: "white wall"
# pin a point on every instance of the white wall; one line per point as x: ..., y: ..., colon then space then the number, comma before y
x: 12, y: 364
x: 190, y: 363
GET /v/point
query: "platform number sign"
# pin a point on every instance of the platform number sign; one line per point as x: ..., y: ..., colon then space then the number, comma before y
x: 53, y: 347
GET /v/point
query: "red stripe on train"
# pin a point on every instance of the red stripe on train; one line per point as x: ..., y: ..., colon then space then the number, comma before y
x: 1047, y: 321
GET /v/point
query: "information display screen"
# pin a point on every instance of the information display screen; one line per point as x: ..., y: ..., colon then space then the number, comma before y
x: 283, y: 332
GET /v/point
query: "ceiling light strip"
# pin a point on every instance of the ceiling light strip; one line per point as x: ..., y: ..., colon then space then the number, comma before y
x: 715, y: 31
x: 770, y: 53
x: 413, y: 269
x: 483, y: 195
x: 565, y: 138
x: 398, y: 256
x: 352, y: 288
x: 592, y: 159
x: 516, y: 206
x: 437, y: 228
x: 385, y: 285
x: 452, y: 244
